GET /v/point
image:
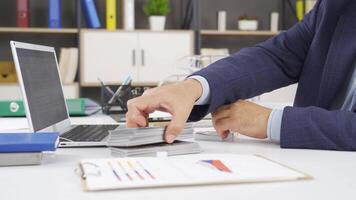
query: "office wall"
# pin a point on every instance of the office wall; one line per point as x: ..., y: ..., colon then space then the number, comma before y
x: 235, y: 9
x: 260, y: 9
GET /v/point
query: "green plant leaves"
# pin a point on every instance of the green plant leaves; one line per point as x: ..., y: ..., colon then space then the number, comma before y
x: 156, y: 8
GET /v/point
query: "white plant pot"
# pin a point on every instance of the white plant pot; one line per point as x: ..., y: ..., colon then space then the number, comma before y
x: 157, y: 23
x: 248, y: 25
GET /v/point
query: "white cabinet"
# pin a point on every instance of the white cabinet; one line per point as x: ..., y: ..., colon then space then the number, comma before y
x: 160, y: 52
x: 108, y: 56
x: 147, y: 56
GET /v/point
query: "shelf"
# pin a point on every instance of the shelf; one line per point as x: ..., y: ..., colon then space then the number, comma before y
x: 9, y: 91
x: 38, y: 30
x: 237, y: 33
x: 135, y: 30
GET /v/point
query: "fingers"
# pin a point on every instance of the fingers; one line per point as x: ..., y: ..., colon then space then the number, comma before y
x: 175, y: 99
x: 138, y: 111
x: 135, y: 118
x: 176, y: 126
x: 223, y: 127
x: 219, y: 116
x: 225, y: 134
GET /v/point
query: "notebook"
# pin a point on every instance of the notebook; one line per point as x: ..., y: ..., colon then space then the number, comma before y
x: 28, y: 142
x: 20, y: 159
x: 188, y: 170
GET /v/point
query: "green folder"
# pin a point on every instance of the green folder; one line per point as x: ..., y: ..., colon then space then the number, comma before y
x: 76, y: 107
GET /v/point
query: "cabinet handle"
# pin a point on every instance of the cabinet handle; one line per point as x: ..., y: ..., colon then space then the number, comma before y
x: 143, y: 57
x: 133, y: 57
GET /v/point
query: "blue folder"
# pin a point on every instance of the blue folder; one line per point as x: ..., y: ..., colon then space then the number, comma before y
x: 90, y: 13
x: 28, y: 142
x: 54, y: 13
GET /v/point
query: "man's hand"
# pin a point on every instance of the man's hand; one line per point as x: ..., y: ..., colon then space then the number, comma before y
x: 243, y: 117
x: 177, y: 99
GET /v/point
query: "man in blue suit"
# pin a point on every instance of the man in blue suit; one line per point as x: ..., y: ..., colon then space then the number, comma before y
x: 318, y: 53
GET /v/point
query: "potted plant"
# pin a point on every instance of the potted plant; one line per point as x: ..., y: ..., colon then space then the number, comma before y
x: 157, y: 11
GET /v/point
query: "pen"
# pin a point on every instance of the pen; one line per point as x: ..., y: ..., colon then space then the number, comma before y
x: 126, y: 82
x: 123, y: 169
x: 147, y: 172
x: 113, y: 171
x: 107, y: 88
x: 134, y: 169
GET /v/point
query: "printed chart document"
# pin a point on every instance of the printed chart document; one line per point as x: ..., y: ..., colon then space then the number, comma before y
x: 202, y: 169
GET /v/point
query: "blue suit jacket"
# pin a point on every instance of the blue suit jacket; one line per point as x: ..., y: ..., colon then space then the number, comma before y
x: 319, y: 53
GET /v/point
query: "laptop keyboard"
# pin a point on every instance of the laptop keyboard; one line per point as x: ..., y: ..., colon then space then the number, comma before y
x: 88, y: 133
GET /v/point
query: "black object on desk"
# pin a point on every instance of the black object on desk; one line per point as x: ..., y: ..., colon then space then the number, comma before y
x: 119, y: 105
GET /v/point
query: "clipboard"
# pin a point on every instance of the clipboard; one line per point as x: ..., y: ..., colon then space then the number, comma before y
x: 189, y: 170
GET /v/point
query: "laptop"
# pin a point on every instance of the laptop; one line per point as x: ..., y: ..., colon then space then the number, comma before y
x: 46, y: 110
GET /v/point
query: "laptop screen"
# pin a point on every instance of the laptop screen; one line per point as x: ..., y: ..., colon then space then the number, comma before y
x: 43, y: 87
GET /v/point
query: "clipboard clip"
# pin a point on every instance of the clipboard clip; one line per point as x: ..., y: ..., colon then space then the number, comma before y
x: 91, y: 170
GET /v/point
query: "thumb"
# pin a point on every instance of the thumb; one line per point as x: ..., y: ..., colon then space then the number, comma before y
x: 175, y: 127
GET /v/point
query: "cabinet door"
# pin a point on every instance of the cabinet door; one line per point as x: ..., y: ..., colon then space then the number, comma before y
x: 159, y: 53
x: 108, y: 55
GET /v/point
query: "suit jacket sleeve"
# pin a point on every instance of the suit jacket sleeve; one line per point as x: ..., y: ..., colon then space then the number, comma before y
x: 316, y: 128
x: 262, y: 68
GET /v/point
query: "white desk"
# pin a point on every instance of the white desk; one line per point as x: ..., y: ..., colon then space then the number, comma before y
x: 334, y: 177
x: 20, y: 124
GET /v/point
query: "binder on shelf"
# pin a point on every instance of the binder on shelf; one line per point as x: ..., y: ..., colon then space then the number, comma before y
x: 28, y: 142
x: 76, y: 107
x: 54, y: 13
x: 300, y: 9
x: 12, y: 108
x: 222, y: 20
x: 309, y: 5
x: 68, y: 64
x: 274, y: 21
x: 7, y: 72
x: 111, y: 14
x: 128, y: 14
x: 22, y: 13
x: 90, y: 13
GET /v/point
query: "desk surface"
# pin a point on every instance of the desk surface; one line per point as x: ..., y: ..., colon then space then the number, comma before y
x: 334, y: 176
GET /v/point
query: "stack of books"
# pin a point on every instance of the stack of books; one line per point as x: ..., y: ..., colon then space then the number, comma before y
x: 149, y: 141
x: 26, y: 148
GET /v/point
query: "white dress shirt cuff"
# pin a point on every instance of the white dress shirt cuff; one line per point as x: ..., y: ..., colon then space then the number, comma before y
x: 205, y: 97
x: 274, y: 125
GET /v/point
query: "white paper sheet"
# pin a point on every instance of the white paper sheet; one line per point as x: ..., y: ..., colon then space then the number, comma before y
x: 124, y: 173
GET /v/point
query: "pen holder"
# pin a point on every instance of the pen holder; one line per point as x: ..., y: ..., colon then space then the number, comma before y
x: 119, y: 105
